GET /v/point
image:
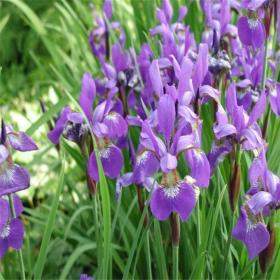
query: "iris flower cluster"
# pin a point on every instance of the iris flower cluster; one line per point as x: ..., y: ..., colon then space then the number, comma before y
x: 161, y: 96
x: 13, y: 178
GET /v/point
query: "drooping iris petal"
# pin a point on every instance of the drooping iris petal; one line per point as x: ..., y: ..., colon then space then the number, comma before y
x: 87, y: 95
x: 21, y: 141
x: 55, y: 134
x: 15, y: 238
x: 166, y: 115
x: 254, y: 235
x: 111, y: 159
x: 168, y: 163
x: 161, y: 205
x: 185, y: 201
x: 13, y: 178
x: 116, y: 125
x: 4, y: 153
x: 146, y: 165
x: 259, y: 200
x: 3, y: 247
x: 200, y: 168
x: 4, y: 216
x: 251, y: 31
x: 180, y: 198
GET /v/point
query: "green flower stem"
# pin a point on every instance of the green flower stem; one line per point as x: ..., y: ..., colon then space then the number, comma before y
x: 20, y: 256
x: 175, y: 229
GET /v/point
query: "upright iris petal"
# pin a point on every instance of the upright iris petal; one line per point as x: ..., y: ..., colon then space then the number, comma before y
x: 88, y: 93
x: 20, y: 141
x: 166, y: 116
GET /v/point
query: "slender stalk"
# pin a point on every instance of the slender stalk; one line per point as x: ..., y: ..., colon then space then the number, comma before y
x: 175, y: 257
x: 175, y: 228
x: 20, y: 256
x: 148, y: 254
x: 97, y: 234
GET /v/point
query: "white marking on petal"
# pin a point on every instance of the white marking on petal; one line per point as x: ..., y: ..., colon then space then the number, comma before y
x: 141, y: 159
x: 172, y: 191
x: 250, y: 225
x: 6, y: 231
x: 105, y: 153
x: 253, y: 23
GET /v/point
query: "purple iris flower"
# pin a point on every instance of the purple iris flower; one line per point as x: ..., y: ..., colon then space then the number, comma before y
x: 251, y: 29
x: 244, y: 128
x: 11, y: 229
x: 251, y: 230
x: 13, y: 177
x: 106, y: 124
x: 174, y: 194
x: 85, y: 277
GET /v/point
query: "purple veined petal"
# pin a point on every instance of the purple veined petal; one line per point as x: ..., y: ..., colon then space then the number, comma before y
x: 5, y: 210
x: 107, y: 8
x: 134, y: 121
x: 112, y: 162
x: 275, y: 99
x: 185, y: 201
x: 168, y: 163
x: 18, y: 205
x: 252, y: 4
x: 166, y: 116
x: 188, y: 115
x: 15, y: 238
x: 258, y: 34
x: 236, y: 112
x: 183, y: 10
x: 258, y: 201
x: 98, y: 113
x: 4, y: 154
x: 185, y: 77
x: 256, y: 172
x: 88, y: 93
x: 222, y: 131
x: 184, y: 143
x: 217, y: 154
x: 208, y: 91
x: 258, y: 109
x: 161, y: 205
x: 201, y: 67
x: 13, y: 178
x: 276, y: 195
x: 271, y: 181
x: 75, y: 117
x: 55, y: 134
x: 119, y: 58
x: 200, y: 168
x: 244, y: 84
x: 100, y: 129
x: 150, y: 141
x: 116, y: 124
x: 244, y: 31
x: 21, y: 142
x: 254, y: 235
x: 257, y: 239
x: 167, y: 9
x: 146, y: 165
x: 251, y: 139
x: 172, y: 91
x: 3, y: 247
x: 155, y: 78
x: 123, y: 181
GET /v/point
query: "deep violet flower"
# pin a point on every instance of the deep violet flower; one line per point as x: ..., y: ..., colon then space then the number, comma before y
x: 11, y: 229
x: 251, y: 230
x: 106, y: 125
x: 251, y: 29
x: 13, y: 177
x: 85, y: 277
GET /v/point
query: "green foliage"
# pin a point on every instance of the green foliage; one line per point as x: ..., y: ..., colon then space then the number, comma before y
x: 44, y: 52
